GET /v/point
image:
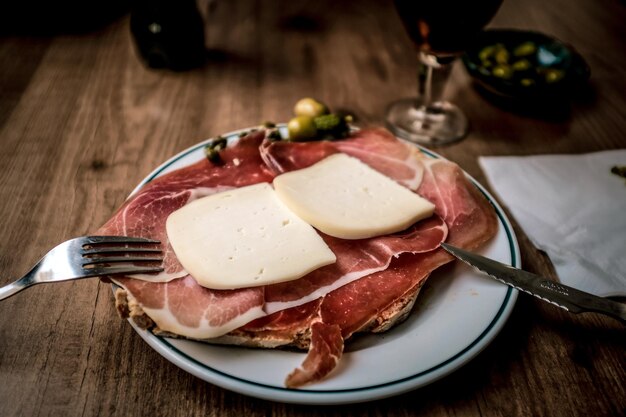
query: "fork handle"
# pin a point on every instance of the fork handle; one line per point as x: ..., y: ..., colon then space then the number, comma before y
x: 15, y: 287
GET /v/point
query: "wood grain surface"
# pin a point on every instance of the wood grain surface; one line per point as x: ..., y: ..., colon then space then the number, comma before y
x: 82, y: 121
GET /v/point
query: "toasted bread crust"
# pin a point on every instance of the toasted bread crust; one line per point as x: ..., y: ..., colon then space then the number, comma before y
x: 391, y: 316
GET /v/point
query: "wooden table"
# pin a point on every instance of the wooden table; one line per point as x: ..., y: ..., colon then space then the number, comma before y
x: 82, y: 121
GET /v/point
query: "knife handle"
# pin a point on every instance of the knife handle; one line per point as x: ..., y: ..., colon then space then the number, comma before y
x: 608, y: 307
x: 587, y: 302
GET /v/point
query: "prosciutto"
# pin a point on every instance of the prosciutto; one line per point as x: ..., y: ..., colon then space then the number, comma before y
x: 319, y: 311
x: 376, y: 147
x: 146, y: 212
x: 353, y: 307
x: 177, y: 304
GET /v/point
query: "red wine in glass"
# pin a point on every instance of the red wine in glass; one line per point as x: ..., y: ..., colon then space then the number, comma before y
x: 441, y: 30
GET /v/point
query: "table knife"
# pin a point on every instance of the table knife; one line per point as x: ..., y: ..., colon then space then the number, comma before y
x: 568, y: 298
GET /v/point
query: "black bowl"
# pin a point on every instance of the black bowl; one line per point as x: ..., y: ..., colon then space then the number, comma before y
x: 525, y: 66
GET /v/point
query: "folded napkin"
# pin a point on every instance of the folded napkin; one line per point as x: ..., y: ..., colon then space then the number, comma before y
x: 573, y: 208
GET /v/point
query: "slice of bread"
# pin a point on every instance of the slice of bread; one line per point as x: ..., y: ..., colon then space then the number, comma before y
x: 298, y: 338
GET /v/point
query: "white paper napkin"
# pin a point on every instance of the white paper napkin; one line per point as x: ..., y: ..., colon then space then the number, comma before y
x: 573, y: 208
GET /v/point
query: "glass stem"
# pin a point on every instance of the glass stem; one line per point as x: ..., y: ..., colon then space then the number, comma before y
x: 433, y: 73
x: 428, y: 86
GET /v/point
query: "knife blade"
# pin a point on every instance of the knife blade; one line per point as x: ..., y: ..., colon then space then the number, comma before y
x: 568, y: 298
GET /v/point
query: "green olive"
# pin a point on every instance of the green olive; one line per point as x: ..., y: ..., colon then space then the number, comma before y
x: 502, y: 56
x: 553, y: 75
x: 309, y: 107
x: 503, y: 71
x: 525, y: 49
x: 486, y: 52
x: 521, y: 65
x: 301, y: 128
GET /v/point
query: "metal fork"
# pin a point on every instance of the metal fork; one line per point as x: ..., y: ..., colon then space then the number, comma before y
x: 90, y: 256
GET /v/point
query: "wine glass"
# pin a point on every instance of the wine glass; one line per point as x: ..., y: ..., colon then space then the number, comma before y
x: 440, y: 30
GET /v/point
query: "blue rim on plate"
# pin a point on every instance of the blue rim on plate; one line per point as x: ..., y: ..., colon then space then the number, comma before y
x: 178, y: 352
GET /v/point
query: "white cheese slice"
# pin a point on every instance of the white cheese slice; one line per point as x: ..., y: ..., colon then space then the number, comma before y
x: 345, y: 198
x: 244, y: 237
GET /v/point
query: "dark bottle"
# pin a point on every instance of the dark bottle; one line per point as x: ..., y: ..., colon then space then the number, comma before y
x: 168, y: 33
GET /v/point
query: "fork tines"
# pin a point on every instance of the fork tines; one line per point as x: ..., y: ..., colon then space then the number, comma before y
x: 96, y: 251
x: 87, y: 240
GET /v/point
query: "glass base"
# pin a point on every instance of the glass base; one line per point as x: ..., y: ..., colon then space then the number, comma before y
x: 439, y: 124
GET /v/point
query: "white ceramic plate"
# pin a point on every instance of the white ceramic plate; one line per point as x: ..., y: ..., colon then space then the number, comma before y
x: 456, y: 315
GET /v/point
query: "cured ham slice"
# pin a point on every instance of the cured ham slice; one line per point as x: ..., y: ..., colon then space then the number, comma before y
x: 355, y: 259
x: 376, y: 147
x: 470, y: 218
x: 146, y: 212
x: 165, y: 297
x: 382, y: 297
x: 371, y: 287
x: 182, y: 307
x: 327, y: 342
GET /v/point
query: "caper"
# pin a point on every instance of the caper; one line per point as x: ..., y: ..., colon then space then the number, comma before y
x: 219, y: 142
x: 619, y: 170
x: 309, y: 107
x: 503, y: 71
x: 525, y: 49
x: 274, y: 135
x: 212, y: 155
x: 301, y: 128
x: 212, y: 150
x: 553, y: 75
x: 521, y: 65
